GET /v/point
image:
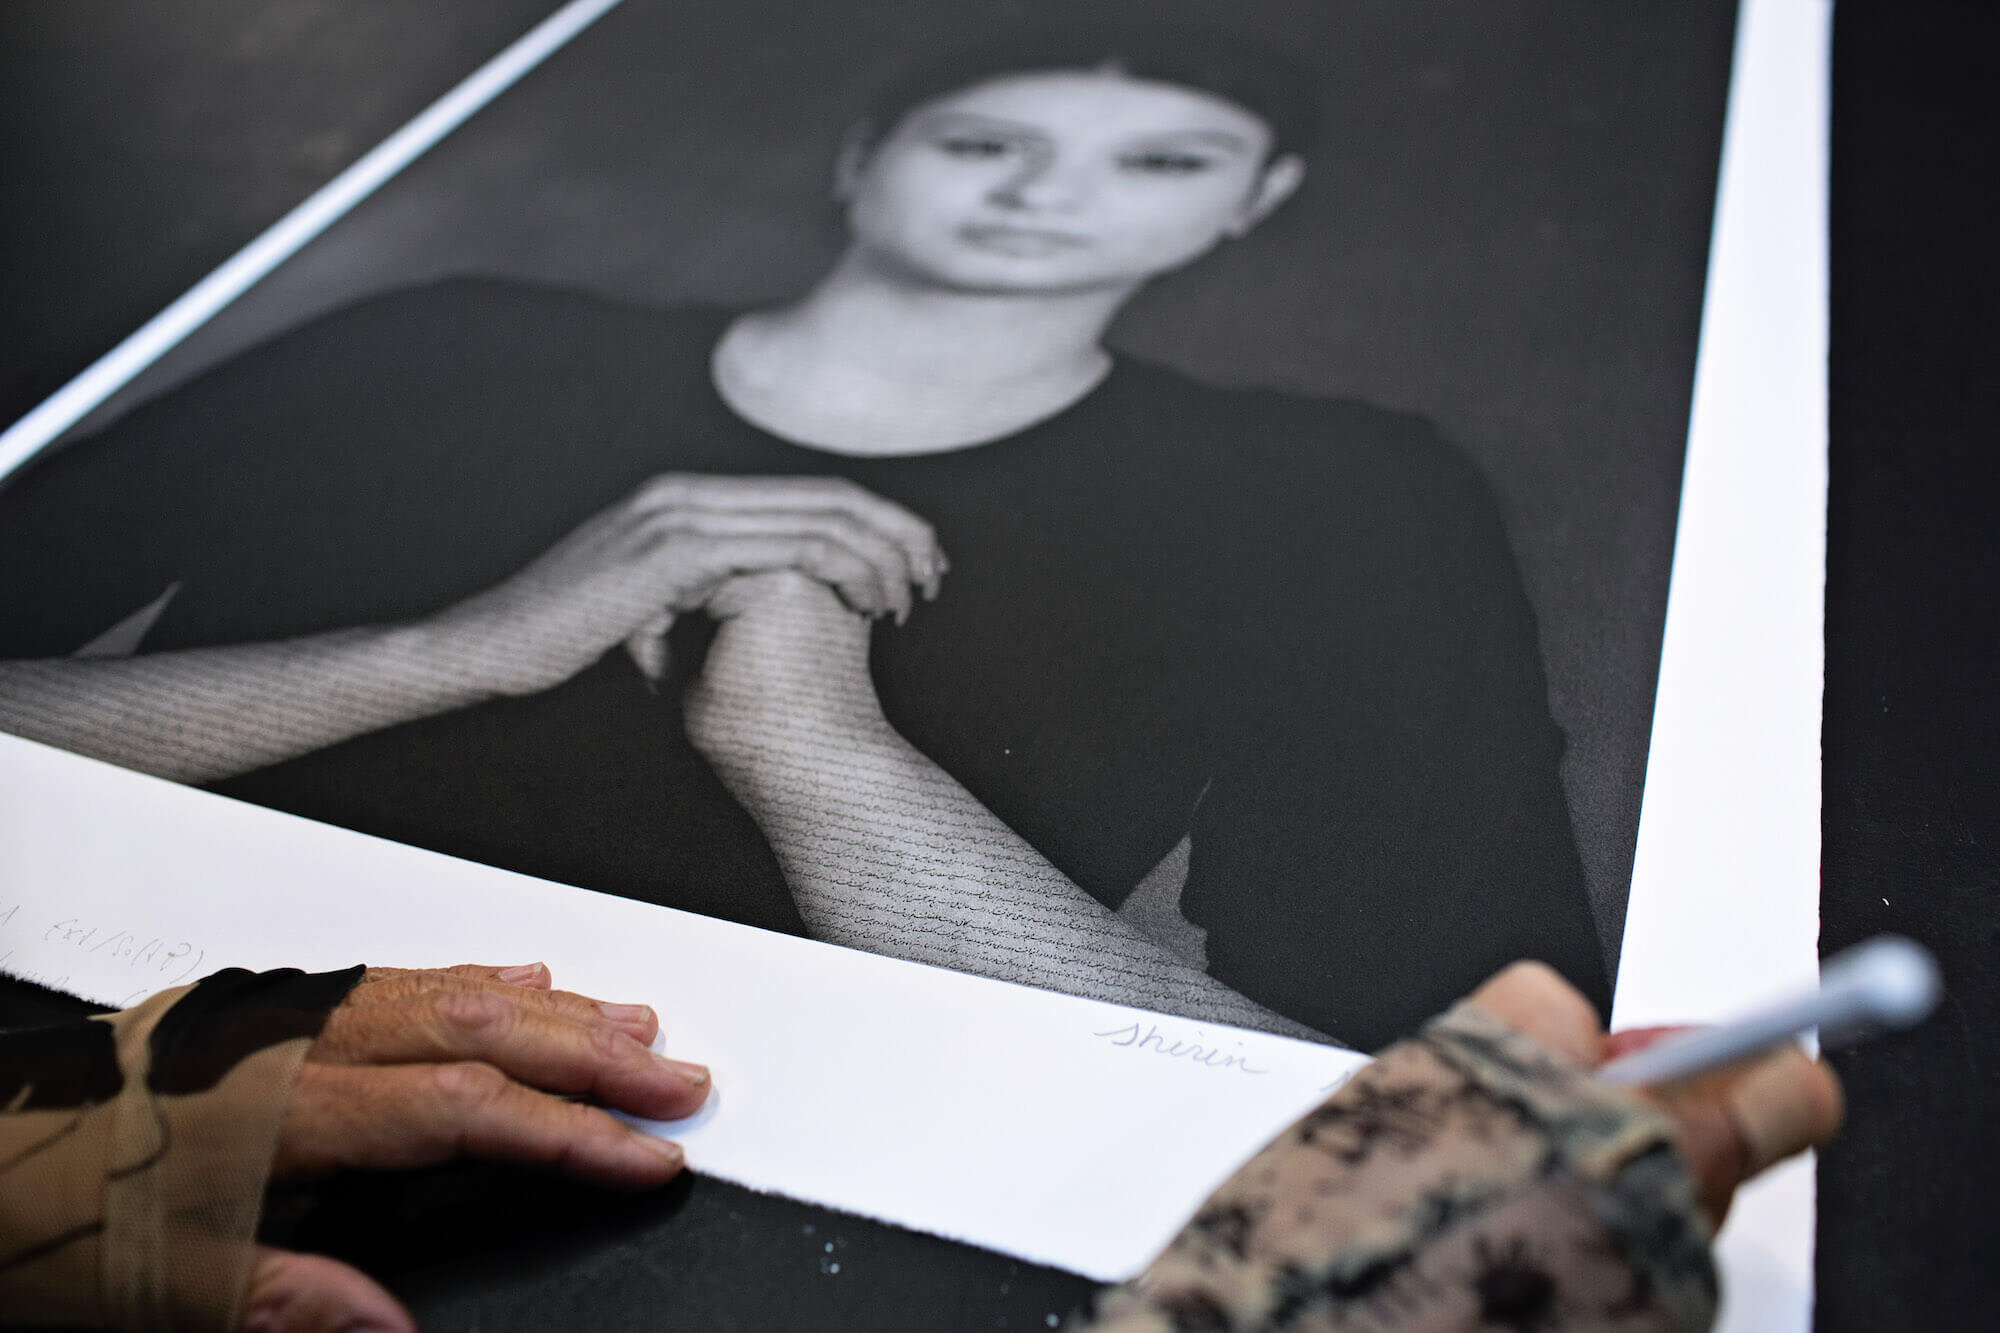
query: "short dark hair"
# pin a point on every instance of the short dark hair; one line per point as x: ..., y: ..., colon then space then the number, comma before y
x: 1280, y: 93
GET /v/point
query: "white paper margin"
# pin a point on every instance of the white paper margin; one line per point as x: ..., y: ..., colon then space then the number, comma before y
x: 1724, y: 908
x: 1064, y: 1131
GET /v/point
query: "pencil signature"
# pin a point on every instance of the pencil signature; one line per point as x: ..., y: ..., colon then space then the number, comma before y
x: 1137, y: 1036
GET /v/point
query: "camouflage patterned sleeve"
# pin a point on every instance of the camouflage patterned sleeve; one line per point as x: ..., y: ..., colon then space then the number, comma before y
x: 1468, y: 1179
x: 134, y: 1149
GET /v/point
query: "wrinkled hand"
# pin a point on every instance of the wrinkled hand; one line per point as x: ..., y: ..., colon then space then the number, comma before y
x: 624, y: 574
x: 420, y: 1067
x: 1732, y: 1124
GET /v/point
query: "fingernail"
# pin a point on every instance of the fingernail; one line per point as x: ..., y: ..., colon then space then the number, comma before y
x: 627, y: 1013
x: 1778, y: 1110
x: 693, y: 1075
x: 515, y: 975
x: 666, y: 1148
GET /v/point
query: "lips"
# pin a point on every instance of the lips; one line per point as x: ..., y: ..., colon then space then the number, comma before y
x: 1022, y: 242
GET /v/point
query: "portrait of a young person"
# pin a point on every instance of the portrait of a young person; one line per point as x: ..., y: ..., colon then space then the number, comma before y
x: 903, y: 613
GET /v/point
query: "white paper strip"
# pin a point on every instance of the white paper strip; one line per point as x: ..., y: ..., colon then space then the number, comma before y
x: 1724, y: 909
x: 1060, y: 1130
x: 112, y: 371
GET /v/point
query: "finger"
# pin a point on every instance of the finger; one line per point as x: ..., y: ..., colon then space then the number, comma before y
x: 305, y: 1293
x: 1632, y: 1040
x: 1533, y: 998
x: 648, y: 652
x: 917, y: 538
x: 540, y: 1049
x: 1736, y: 1122
x: 940, y: 568
x: 530, y: 976
x: 862, y: 553
x: 405, y: 987
x: 722, y: 558
x: 398, y: 1117
x: 1713, y: 1149
x: 1783, y: 1105
x: 890, y: 562
x: 647, y: 646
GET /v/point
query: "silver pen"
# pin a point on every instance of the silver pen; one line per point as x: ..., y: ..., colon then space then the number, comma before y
x: 1883, y: 983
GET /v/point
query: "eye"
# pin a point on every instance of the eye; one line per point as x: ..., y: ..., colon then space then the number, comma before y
x: 975, y: 147
x: 1165, y: 162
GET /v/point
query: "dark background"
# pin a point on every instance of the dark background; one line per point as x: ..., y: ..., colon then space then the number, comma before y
x: 1504, y: 227
x: 143, y: 144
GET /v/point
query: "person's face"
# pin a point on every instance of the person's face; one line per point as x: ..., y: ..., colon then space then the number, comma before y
x: 1061, y: 181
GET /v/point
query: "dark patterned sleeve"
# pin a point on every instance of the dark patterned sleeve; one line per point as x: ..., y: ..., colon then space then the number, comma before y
x: 1466, y: 1180
x: 135, y: 1146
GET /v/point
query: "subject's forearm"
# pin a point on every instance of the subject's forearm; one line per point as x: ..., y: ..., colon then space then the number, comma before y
x: 211, y: 713
x: 884, y: 851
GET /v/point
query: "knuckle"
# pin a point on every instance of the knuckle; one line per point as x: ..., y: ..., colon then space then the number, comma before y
x: 666, y: 488
x: 1531, y: 972
x: 474, y: 1012
x: 870, y: 540
x: 609, y: 1046
x: 671, y: 525
x: 468, y: 1085
x: 567, y: 1003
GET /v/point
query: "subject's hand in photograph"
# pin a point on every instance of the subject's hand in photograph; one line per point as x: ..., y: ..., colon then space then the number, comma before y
x: 626, y: 572
x: 620, y: 577
x: 420, y: 1067
x: 788, y: 652
x: 788, y: 638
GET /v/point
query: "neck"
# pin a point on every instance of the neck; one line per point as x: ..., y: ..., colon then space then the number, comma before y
x: 889, y: 327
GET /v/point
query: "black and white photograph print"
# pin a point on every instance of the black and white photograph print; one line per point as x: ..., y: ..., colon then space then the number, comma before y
x: 1169, y: 503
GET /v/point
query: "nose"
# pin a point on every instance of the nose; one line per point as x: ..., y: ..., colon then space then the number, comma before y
x: 1044, y: 183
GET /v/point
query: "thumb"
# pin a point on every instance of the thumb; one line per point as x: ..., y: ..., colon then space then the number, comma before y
x: 647, y: 646
x: 305, y: 1293
x: 1735, y: 1122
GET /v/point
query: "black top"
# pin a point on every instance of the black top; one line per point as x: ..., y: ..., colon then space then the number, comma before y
x: 1291, y: 628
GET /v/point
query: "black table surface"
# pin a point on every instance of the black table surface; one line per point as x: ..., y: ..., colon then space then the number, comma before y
x: 144, y: 144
